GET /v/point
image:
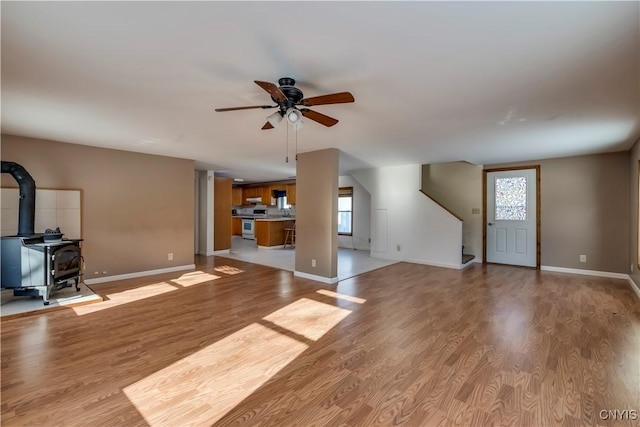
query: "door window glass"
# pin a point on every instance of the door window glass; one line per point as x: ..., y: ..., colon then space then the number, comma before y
x: 511, y: 199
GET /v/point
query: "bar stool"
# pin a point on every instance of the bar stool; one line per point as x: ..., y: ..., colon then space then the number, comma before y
x: 290, y: 237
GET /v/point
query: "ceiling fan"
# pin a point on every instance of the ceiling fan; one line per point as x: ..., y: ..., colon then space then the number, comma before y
x: 288, y: 98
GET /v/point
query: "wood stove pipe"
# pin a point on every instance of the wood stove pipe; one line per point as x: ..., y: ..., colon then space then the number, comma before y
x: 27, y: 208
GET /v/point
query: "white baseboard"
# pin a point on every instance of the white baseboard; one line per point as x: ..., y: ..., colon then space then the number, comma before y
x: 467, y: 265
x: 436, y: 263
x: 322, y: 279
x: 385, y: 256
x: 355, y: 248
x: 203, y: 253
x: 634, y: 286
x: 138, y: 274
x: 584, y: 272
x: 221, y: 251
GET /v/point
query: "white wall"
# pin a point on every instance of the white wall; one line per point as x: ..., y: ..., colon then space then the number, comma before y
x: 206, y: 213
x: 403, y: 216
x: 361, y: 216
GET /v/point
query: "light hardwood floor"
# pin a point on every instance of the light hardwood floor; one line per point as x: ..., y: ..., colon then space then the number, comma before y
x: 236, y: 343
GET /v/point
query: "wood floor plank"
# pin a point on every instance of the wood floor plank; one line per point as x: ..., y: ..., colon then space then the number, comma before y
x: 235, y: 343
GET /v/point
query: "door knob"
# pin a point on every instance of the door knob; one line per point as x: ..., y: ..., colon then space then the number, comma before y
x: 490, y: 224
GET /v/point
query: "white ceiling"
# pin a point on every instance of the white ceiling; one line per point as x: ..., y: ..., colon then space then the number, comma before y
x: 433, y: 81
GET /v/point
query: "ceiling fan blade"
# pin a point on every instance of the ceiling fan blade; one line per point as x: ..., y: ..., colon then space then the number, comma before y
x: 273, y: 90
x: 264, y: 107
x: 318, y: 117
x: 267, y: 126
x: 333, y: 98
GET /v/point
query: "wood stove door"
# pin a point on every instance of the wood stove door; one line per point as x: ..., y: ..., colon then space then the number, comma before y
x: 65, y: 261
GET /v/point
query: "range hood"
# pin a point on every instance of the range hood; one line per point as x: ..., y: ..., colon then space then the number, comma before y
x: 254, y: 200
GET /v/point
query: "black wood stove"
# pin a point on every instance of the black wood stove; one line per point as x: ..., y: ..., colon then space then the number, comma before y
x: 33, y: 264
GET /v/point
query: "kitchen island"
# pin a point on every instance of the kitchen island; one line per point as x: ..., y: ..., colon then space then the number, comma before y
x: 270, y: 231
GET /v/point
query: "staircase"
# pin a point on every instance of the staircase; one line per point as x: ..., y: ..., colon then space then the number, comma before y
x: 457, y: 187
x: 466, y: 258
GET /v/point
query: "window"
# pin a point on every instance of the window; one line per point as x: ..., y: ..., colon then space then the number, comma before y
x: 345, y: 211
x: 511, y: 199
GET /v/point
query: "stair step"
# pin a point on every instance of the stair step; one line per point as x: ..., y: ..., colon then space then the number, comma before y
x: 466, y: 258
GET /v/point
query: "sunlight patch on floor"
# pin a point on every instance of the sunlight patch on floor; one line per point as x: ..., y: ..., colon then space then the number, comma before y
x: 194, y: 278
x: 309, y: 318
x: 203, y: 387
x: 227, y: 269
x: 124, y: 297
x: 341, y: 296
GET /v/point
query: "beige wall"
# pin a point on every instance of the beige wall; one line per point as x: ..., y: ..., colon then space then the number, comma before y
x: 633, y: 224
x: 458, y: 187
x: 136, y: 208
x: 585, y: 205
x: 317, y: 213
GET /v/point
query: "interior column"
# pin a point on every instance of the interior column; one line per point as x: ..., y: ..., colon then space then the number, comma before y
x: 317, y: 215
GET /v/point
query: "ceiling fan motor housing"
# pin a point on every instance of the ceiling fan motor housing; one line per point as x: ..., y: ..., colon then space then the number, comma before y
x: 293, y: 94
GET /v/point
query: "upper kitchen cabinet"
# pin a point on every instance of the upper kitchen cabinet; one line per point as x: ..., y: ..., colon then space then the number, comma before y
x: 291, y: 194
x: 249, y: 192
x: 265, y: 193
x: 236, y: 196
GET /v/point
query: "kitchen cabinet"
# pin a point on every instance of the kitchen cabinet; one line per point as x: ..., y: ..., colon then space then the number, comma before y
x: 262, y: 191
x: 271, y: 232
x: 236, y: 226
x: 221, y: 213
x: 249, y: 192
x: 278, y: 187
x: 291, y: 194
x: 236, y: 196
x: 265, y: 193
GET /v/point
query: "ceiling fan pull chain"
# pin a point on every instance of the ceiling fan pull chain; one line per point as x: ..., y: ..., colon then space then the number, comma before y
x: 296, y: 146
x: 287, y: 157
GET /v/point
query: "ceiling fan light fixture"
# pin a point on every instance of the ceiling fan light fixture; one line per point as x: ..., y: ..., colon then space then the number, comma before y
x: 275, y: 118
x: 293, y: 115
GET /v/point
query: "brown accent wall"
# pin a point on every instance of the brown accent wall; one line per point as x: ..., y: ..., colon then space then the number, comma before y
x: 222, y: 189
x: 136, y: 208
x: 584, y: 208
x: 634, y: 156
x: 317, y: 212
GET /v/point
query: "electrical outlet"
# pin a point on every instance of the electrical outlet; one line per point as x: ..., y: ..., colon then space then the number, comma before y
x: 369, y: 239
x: 313, y: 263
x: 398, y: 248
x: 170, y: 257
x: 104, y: 272
x: 96, y: 273
x: 583, y: 258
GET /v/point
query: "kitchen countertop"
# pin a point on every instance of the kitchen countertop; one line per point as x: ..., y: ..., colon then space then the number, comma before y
x: 284, y: 218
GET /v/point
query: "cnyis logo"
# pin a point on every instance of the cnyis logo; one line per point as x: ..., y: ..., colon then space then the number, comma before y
x: 619, y: 414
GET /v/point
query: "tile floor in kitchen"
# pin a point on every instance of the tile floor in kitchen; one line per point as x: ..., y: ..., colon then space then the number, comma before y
x: 350, y: 262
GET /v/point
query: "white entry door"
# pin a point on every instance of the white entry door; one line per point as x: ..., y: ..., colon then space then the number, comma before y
x: 511, y: 217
